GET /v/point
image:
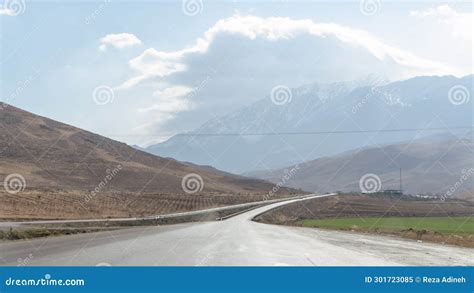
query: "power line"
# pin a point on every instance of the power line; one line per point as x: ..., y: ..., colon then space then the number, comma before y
x: 193, y: 134
x: 323, y: 132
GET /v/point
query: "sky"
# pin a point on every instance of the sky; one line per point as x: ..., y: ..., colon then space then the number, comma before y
x: 141, y: 71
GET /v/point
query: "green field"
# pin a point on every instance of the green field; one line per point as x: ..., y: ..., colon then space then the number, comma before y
x: 444, y: 225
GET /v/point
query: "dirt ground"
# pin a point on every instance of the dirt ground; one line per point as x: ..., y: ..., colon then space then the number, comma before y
x: 47, y: 204
x: 363, y: 205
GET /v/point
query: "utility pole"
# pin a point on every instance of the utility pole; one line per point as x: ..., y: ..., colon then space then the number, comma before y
x: 401, y: 191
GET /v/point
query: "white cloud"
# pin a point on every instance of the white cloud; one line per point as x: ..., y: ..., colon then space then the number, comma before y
x: 239, y: 59
x: 153, y: 63
x: 119, y: 41
x: 173, y: 92
x: 459, y: 23
x: 171, y: 101
x: 12, y: 7
x: 7, y: 11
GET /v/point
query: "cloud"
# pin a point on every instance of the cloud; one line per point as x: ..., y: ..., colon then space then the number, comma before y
x: 170, y: 101
x: 12, y: 7
x: 119, y: 41
x: 7, y: 11
x: 153, y: 63
x: 239, y: 59
x: 459, y: 23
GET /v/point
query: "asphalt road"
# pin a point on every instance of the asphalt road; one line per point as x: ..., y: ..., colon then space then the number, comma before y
x: 235, y: 241
x: 163, y: 216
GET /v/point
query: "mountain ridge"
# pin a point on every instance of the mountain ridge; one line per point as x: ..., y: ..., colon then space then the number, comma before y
x: 429, y: 166
x: 419, y: 102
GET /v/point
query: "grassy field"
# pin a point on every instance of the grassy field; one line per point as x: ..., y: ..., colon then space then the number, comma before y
x: 421, y: 220
x: 443, y: 225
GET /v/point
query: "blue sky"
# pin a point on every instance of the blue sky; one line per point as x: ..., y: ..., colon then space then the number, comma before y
x: 62, y: 59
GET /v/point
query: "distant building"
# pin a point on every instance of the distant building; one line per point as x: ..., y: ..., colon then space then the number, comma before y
x: 426, y: 196
x: 393, y: 192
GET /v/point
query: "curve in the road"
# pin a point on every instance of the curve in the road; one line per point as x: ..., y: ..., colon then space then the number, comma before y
x: 235, y: 241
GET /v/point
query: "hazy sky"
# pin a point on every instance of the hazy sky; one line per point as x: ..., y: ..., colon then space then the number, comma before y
x: 138, y: 71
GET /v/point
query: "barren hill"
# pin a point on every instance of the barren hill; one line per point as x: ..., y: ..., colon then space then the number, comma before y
x: 73, y: 173
x: 436, y: 165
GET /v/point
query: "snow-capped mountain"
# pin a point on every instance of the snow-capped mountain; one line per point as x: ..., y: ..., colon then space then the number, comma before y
x: 288, y: 120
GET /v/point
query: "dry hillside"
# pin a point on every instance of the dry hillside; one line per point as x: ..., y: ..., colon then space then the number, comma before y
x: 72, y: 173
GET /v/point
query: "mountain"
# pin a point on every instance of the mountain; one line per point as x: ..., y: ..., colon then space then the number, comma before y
x: 440, y: 165
x: 421, y: 102
x: 63, y: 171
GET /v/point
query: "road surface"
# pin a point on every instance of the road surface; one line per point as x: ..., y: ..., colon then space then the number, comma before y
x: 235, y: 241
